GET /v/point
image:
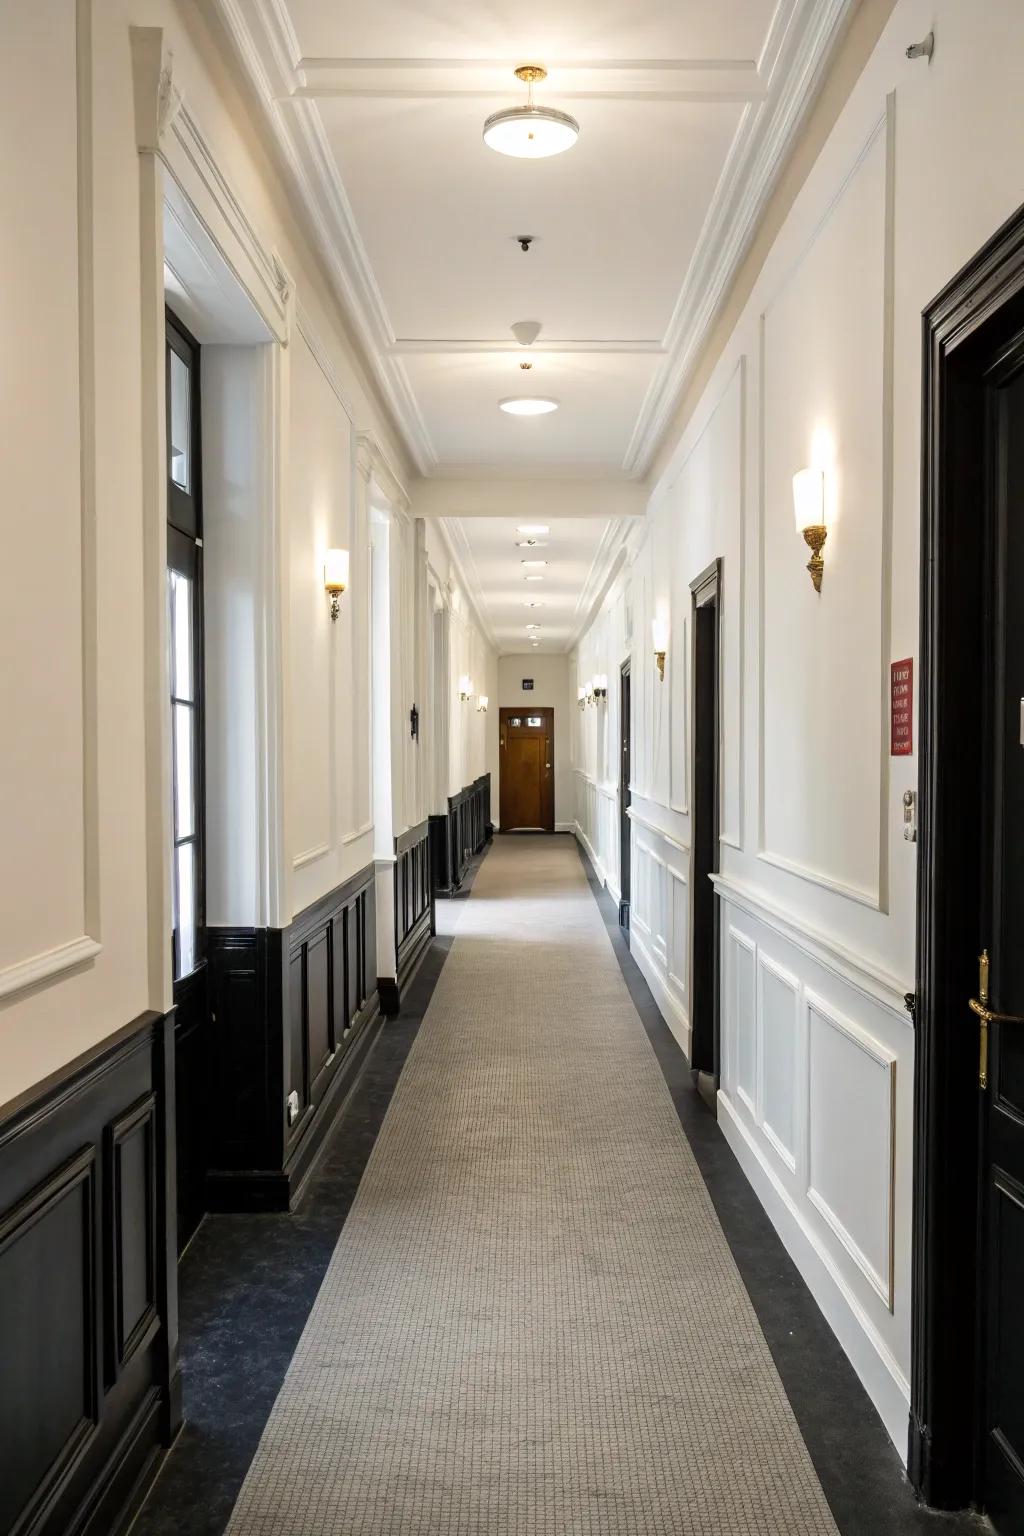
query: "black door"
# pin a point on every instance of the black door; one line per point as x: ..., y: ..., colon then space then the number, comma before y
x: 704, y: 1045
x: 625, y: 844
x: 185, y: 655
x: 1001, y: 969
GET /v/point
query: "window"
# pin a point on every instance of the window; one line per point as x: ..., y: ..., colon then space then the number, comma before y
x: 185, y: 633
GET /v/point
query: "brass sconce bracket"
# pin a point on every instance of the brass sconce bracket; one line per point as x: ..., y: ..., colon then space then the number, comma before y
x: 814, y: 538
x: 335, y: 604
x: 659, y: 657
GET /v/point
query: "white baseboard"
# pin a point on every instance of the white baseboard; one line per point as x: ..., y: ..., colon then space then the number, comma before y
x: 565, y: 826
x: 672, y: 1010
x: 591, y: 853
x: 879, y: 1372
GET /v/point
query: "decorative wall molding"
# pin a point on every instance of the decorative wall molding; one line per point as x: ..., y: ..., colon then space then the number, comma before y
x: 876, y: 898
x: 766, y: 966
x: 881, y: 1280
x: 47, y: 964
x: 374, y: 463
x: 800, y: 45
x: 872, y: 1359
x: 876, y: 983
x: 298, y: 132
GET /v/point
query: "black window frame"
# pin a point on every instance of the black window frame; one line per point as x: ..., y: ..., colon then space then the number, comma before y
x: 185, y: 555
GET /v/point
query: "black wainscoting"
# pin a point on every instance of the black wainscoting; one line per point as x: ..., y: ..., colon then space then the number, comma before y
x: 89, y: 1387
x: 458, y: 835
x: 293, y: 1012
x: 414, y: 912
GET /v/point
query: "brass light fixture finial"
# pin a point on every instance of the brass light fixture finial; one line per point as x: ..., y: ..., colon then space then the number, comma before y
x: 815, y: 537
x: 809, y: 510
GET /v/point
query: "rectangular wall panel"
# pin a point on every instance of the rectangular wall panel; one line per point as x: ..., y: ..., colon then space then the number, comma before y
x: 743, y: 1014
x: 852, y: 1088
x: 779, y: 1028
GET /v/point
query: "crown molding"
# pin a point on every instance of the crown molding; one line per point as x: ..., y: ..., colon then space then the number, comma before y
x: 609, y: 559
x: 800, y: 44
x: 454, y: 536
x: 416, y: 345
x: 373, y: 463
x: 275, y: 77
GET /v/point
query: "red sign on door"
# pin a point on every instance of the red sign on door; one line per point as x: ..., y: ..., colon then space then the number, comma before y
x: 902, y: 708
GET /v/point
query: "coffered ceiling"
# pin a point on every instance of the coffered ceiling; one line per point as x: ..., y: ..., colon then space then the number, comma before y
x: 686, y: 110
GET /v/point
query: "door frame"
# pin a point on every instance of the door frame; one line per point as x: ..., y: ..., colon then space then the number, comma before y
x: 548, y: 787
x: 625, y: 794
x: 982, y: 303
x: 706, y: 589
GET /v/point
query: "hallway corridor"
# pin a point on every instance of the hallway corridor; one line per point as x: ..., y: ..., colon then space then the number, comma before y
x: 532, y: 1309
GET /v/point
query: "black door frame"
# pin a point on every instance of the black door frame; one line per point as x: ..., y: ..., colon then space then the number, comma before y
x: 706, y: 591
x: 961, y: 327
x: 625, y: 771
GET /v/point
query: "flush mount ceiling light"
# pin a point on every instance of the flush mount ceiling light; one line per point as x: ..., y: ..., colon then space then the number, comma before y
x: 529, y: 544
x: 530, y: 132
x: 532, y: 528
x: 528, y: 405
x: 533, y: 578
x: 533, y: 562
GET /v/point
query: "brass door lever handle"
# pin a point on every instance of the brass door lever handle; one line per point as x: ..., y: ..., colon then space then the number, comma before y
x: 987, y: 1016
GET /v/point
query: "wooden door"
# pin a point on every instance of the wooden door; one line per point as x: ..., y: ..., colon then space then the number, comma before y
x: 999, y: 999
x: 527, y: 778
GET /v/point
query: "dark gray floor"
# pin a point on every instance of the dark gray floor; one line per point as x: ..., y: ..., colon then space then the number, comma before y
x: 248, y: 1283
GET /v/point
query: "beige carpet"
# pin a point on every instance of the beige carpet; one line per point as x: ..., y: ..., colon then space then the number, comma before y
x: 532, y: 1324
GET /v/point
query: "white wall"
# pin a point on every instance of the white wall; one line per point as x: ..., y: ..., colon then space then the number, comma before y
x: 550, y: 691
x: 817, y: 886
x: 142, y: 137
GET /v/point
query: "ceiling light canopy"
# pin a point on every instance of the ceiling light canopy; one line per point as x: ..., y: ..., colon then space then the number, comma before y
x: 530, y: 132
x: 528, y: 405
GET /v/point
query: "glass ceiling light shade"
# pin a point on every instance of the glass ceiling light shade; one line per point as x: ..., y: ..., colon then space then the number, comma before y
x: 530, y: 132
x: 528, y: 405
x: 532, y: 528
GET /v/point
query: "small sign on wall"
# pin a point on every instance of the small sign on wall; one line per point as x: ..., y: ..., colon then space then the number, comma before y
x: 901, y: 708
x: 527, y: 684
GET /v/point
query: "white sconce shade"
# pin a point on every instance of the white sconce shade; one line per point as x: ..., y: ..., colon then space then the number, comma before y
x: 481, y: 704
x: 809, y: 499
x: 335, y: 577
x: 465, y: 687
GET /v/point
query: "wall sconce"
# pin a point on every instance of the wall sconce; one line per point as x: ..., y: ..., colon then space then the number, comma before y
x: 588, y: 694
x: 809, y: 510
x: 335, y: 577
x: 581, y: 698
x: 659, y: 632
x: 465, y: 687
x: 600, y: 686
x: 481, y: 704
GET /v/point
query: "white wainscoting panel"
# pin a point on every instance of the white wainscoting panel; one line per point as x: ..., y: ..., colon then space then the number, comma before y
x: 779, y: 1030
x: 742, y: 993
x: 852, y: 1106
x: 816, y: 1110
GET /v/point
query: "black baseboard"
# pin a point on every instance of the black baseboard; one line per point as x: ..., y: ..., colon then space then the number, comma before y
x: 88, y: 1287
